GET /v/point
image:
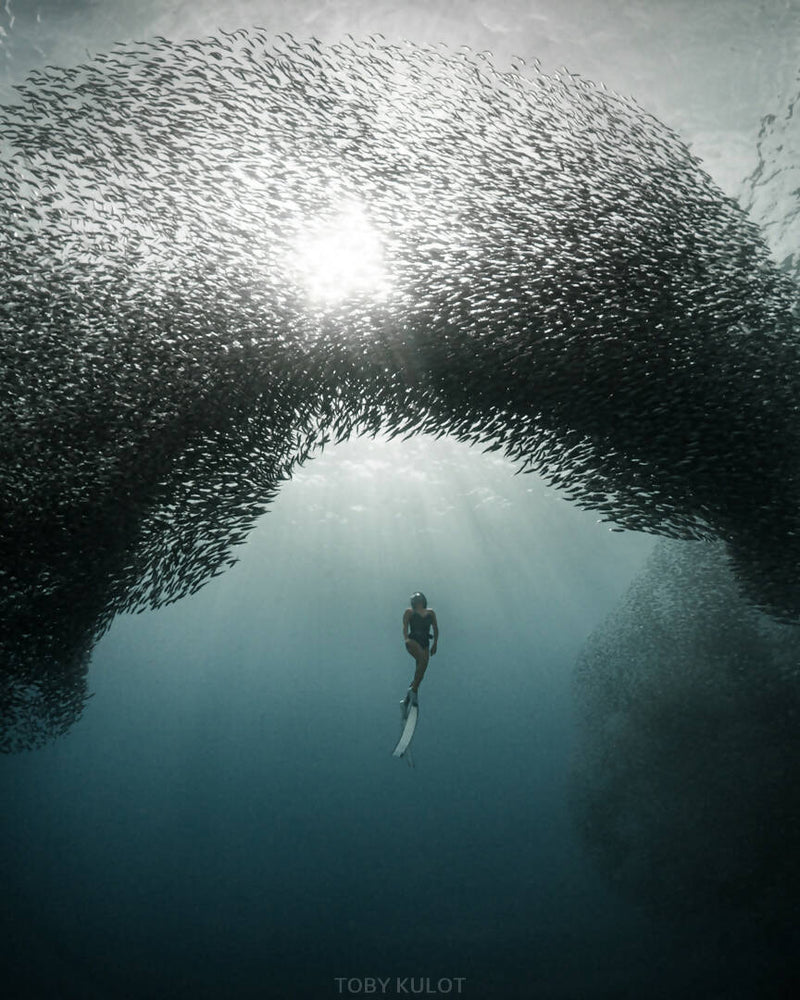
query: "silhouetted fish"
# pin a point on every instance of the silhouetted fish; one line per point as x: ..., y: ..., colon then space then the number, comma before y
x: 555, y: 275
x: 685, y: 774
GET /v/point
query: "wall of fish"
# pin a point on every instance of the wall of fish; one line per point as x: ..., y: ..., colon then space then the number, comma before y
x: 559, y: 279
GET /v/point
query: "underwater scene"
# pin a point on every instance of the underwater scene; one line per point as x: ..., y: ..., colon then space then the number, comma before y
x: 399, y: 469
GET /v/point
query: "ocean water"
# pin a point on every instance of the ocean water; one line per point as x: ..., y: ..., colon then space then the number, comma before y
x: 226, y: 819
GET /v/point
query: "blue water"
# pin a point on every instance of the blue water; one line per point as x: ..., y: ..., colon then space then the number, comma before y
x: 226, y: 820
x: 228, y: 807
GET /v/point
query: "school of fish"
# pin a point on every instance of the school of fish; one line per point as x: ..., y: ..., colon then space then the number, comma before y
x: 684, y: 780
x: 560, y: 280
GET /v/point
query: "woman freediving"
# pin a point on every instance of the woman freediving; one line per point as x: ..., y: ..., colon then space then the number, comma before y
x: 417, y: 623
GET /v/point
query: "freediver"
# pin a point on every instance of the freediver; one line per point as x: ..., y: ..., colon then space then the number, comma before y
x: 417, y: 623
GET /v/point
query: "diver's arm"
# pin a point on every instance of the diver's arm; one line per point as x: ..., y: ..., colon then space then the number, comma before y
x: 435, y: 632
x: 406, y: 620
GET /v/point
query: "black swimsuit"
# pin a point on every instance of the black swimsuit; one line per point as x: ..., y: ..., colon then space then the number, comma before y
x: 419, y: 628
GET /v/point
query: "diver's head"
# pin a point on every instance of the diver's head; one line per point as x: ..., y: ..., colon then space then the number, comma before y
x: 419, y: 600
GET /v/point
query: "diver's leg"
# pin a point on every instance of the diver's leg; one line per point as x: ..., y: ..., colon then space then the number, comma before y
x: 421, y: 658
x: 414, y: 648
x: 422, y: 666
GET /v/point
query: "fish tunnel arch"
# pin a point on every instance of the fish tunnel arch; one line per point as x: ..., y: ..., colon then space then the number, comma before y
x: 563, y: 283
